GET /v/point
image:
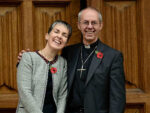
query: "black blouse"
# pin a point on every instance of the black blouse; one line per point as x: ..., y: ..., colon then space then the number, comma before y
x: 49, y: 103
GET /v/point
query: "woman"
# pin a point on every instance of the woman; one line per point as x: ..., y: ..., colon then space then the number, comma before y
x: 41, y: 75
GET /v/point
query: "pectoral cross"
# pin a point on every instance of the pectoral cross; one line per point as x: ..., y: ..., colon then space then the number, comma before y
x: 81, y: 69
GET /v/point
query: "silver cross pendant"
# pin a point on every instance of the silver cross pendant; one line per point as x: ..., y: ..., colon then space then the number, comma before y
x: 81, y: 69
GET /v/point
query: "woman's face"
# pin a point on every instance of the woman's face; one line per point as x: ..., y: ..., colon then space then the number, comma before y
x: 58, y: 37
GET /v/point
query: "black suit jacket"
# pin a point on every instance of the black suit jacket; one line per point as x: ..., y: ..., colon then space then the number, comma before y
x: 105, y: 84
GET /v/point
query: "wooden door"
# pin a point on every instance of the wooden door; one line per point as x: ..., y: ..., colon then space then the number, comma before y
x: 23, y: 24
x: 126, y: 28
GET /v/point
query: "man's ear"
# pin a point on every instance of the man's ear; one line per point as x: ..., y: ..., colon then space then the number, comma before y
x: 101, y: 25
x: 46, y: 36
x: 79, y: 27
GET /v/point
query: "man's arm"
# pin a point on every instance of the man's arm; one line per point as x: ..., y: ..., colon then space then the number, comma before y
x: 117, y: 86
x: 20, y: 55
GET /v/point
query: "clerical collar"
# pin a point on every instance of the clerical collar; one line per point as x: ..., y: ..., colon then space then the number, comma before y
x: 90, y: 46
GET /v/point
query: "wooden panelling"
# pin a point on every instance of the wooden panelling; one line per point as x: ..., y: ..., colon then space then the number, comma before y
x: 123, y: 36
x: 8, y: 36
x: 7, y: 110
x: 10, y: 28
x: 76, y: 35
x: 27, y: 24
x: 138, y: 108
x: 126, y: 26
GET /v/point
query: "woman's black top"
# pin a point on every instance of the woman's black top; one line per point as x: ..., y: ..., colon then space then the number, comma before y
x: 49, y: 104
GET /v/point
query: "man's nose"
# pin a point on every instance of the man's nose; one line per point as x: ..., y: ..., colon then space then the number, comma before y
x: 90, y: 25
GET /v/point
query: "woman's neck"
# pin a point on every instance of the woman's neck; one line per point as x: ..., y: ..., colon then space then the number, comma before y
x: 48, y: 53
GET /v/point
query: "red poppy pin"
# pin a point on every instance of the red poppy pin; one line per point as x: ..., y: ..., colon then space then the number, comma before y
x: 99, y: 54
x: 53, y: 70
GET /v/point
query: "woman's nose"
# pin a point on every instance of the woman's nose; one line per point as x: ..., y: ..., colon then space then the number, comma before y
x: 59, y: 35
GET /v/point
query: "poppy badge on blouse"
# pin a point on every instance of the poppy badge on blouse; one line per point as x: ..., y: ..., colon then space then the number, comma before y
x: 53, y: 70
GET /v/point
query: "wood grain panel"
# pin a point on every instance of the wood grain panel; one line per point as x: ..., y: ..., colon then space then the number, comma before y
x: 27, y: 24
x: 76, y: 35
x: 9, y: 32
x: 132, y: 108
x: 9, y: 48
x: 7, y: 110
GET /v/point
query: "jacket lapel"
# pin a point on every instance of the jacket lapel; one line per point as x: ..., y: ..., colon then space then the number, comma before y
x: 73, y: 64
x: 56, y: 76
x: 94, y: 63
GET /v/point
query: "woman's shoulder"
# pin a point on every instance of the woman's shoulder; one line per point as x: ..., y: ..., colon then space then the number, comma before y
x: 30, y: 54
x: 61, y: 58
x: 62, y: 62
x: 33, y: 56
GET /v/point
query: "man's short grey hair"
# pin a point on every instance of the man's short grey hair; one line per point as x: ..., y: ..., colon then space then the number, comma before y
x: 99, y: 14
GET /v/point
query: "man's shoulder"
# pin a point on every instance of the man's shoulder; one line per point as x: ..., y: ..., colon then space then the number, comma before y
x: 70, y: 50
x: 110, y: 49
x: 73, y: 46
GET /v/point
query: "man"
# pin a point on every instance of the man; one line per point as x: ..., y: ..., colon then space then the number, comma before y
x: 96, y: 82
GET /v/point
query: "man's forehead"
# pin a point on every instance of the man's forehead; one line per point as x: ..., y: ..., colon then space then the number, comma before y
x: 89, y: 14
x: 90, y: 17
x: 88, y: 11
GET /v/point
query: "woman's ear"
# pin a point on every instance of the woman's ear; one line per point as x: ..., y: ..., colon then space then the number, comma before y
x: 46, y: 36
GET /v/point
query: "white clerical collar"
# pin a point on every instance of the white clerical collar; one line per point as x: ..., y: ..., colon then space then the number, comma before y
x: 87, y: 46
x: 91, y: 45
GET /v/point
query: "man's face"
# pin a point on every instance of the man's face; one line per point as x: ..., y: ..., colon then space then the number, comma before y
x: 89, y: 25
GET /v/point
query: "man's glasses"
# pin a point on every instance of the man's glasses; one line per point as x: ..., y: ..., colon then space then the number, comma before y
x: 93, y: 23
